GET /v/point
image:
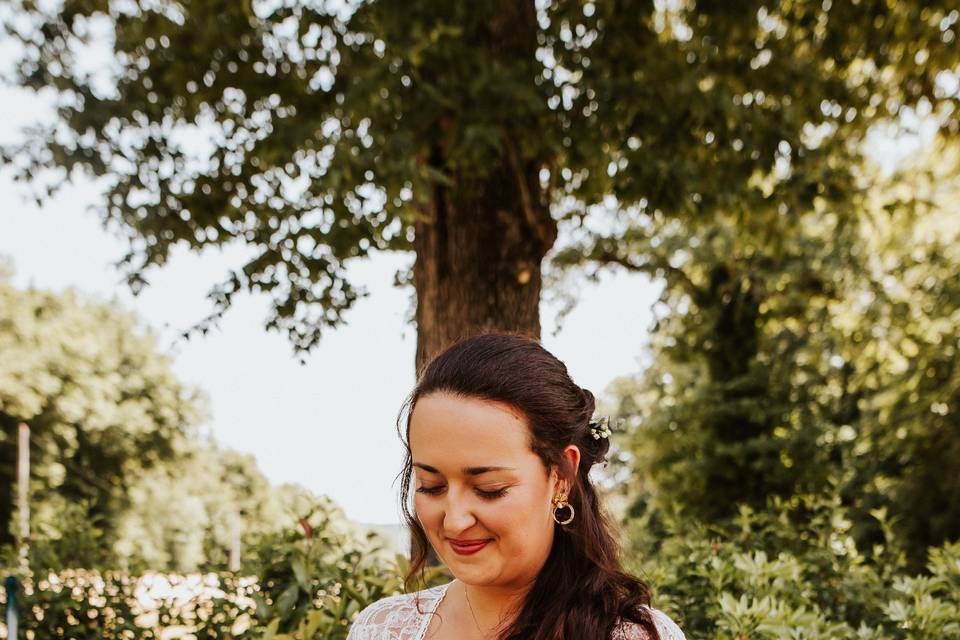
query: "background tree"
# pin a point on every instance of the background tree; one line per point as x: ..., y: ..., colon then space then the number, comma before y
x: 807, y: 359
x: 901, y: 339
x: 101, y: 403
x: 316, y: 132
x: 186, y: 515
x: 733, y: 405
x: 120, y: 475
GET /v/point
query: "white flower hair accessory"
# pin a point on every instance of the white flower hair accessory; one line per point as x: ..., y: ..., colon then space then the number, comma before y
x: 600, y: 428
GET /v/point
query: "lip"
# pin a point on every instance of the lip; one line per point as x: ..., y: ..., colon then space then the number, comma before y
x: 467, y: 547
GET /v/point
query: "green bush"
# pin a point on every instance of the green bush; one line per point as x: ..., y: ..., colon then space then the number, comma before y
x: 315, y: 580
x: 791, y: 572
x: 311, y: 580
x: 795, y: 573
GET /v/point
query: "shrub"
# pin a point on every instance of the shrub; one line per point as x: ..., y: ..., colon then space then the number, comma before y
x: 314, y: 581
x: 792, y: 572
x: 90, y: 605
x: 795, y: 573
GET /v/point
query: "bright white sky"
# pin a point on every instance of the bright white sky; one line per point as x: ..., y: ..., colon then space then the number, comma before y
x: 328, y: 425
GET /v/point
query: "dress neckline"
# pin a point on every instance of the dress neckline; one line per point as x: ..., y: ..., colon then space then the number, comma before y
x: 666, y: 627
x: 425, y: 623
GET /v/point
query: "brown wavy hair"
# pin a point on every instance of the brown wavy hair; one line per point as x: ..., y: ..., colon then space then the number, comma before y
x: 582, y: 590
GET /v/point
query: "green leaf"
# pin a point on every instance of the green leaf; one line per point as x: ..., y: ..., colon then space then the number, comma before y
x: 288, y: 599
x: 300, y: 571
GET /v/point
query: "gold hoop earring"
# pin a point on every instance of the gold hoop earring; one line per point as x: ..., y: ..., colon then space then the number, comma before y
x: 560, y: 503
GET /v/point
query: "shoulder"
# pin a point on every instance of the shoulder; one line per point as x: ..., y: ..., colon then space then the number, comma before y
x: 666, y: 628
x: 390, y: 617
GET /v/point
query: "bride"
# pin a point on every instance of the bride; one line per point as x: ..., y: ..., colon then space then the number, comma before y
x: 499, y: 444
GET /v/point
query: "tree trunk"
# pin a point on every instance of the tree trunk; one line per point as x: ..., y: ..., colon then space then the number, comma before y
x: 742, y: 466
x: 8, y: 467
x: 480, y: 242
x: 479, y: 251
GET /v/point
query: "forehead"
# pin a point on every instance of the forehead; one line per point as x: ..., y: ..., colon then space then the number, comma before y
x: 453, y: 432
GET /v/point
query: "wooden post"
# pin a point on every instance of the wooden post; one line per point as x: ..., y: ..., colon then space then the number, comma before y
x: 23, y: 493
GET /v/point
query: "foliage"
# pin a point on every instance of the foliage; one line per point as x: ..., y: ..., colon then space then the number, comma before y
x: 313, y: 579
x: 120, y: 477
x: 317, y: 132
x: 69, y: 540
x: 187, y: 514
x: 794, y: 571
x: 729, y: 410
x: 101, y: 402
x: 902, y: 339
x: 316, y: 579
x: 90, y: 605
x: 803, y: 355
x: 791, y: 571
x: 178, y: 511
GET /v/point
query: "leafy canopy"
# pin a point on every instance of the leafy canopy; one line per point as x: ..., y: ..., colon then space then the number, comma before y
x: 316, y: 131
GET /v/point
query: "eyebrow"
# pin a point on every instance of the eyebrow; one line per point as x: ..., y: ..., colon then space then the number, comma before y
x: 470, y: 471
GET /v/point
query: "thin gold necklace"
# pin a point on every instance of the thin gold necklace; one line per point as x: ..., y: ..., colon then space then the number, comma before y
x: 467, y: 596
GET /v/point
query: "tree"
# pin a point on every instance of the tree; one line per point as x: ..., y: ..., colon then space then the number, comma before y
x: 120, y: 477
x: 317, y: 132
x: 902, y: 343
x: 102, y: 405
x: 742, y: 382
x: 183, y: 515
x: 808, y: 359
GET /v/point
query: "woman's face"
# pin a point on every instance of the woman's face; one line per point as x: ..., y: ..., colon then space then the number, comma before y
x: 477, y: 480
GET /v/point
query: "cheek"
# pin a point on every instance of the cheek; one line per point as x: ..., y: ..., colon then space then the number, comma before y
x: 520, y: 517
x: 424, y: 511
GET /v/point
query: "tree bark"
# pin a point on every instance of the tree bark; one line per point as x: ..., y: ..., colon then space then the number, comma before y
x: 480, y: 242
x: 478, y: 260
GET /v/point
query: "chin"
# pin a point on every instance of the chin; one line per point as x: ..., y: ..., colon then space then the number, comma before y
x: 474, y: 576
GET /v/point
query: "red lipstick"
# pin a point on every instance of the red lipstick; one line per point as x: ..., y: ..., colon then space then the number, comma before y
x: 467, y: 547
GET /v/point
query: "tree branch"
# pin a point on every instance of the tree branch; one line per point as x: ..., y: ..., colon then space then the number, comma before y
x: 536, y: 215
x: 607, y: 256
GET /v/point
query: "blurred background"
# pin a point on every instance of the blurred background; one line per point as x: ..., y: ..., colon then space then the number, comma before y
x: 231, y: 232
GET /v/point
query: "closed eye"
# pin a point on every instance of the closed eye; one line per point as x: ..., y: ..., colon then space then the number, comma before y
x: 486, y: 495
x: 492, y: 495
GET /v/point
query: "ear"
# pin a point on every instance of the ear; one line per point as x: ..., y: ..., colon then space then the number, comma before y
x: 572, y: 454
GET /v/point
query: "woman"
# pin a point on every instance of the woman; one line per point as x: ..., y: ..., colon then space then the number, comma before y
x: 499, y: 442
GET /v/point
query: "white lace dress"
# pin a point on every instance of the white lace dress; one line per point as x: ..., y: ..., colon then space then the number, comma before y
x: 397, y: 618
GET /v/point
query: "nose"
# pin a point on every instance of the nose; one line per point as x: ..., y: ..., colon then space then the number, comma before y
x: 458, y: 515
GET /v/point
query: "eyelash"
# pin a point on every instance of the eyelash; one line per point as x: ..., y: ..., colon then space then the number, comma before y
x: 486, y: 495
